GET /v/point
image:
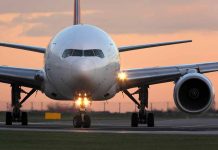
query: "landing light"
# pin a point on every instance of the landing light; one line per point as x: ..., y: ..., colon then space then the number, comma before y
x: 86, y: 101
x: 82, y: 102
x: 79, y: 102
x: 122, y: 76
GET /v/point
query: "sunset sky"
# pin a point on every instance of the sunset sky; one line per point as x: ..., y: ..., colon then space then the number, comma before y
x: 132, y: 22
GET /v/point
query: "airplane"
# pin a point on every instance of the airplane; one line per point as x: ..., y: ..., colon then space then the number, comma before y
x: 82, y: 64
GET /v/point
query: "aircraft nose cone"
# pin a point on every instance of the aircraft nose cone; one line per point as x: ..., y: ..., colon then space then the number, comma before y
x: 84, y: 69
x: 83, y: 75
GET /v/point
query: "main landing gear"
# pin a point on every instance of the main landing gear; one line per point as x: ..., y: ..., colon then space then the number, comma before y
x: 143, y: 116
x: 16, y: 115
x: 82, y: 119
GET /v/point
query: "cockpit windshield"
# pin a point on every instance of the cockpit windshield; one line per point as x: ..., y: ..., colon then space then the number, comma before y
x: 88, y: 53
x: 77, y: 53
x: 98, y: 53
x: 85, y: 53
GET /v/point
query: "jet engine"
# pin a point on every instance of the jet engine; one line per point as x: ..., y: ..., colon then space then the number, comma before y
x: 193, y: 93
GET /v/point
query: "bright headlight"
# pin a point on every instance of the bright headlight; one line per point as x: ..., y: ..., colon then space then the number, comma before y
x: 82, y: 102
x: 79, y: 102
x: 122, y: 76
x: 86, y: 101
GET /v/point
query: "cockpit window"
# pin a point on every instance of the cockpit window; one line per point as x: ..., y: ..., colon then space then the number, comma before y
x: 77, y: 53
x: 86, y: 53
x: 99, y: 53
x: 67, y: 53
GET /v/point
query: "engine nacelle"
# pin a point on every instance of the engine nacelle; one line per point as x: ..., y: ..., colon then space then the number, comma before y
x: 193, y: 93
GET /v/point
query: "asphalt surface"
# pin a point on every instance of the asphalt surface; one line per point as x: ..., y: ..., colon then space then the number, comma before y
x: 200, y: 126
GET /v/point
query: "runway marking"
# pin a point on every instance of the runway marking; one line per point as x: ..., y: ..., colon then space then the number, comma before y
x: 114, y: 132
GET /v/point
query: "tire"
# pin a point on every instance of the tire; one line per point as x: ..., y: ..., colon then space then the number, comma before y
x: 87, y: 121
x: 8, y: 118
x: 150, y: 121
x: 24, y: 119
x: 77, y: 121
x: 134, y: 120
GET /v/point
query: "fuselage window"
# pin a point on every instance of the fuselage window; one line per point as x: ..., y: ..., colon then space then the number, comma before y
x: 88, y: 53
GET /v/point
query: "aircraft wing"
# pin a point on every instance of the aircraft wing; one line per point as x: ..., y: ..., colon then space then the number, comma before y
x: 23, y: 47
x: 149, y: 76
x: 136, y: 47
x: 22, y: 77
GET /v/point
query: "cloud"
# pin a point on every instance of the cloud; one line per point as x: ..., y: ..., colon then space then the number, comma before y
x: 32, y: 6
x: 117, y: 17
x: 49, y: 25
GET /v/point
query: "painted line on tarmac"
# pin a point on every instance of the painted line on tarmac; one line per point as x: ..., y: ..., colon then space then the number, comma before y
x: 114, y: 132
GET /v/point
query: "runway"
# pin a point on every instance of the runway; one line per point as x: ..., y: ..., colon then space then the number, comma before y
x: 200, y: 126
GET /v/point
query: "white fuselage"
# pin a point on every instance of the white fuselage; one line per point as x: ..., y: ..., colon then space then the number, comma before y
x: 67, y: 74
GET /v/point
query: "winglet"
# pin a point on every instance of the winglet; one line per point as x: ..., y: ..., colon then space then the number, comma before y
x: 76, y: 12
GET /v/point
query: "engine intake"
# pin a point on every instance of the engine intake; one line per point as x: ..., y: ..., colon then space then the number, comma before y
x: 193, y: 93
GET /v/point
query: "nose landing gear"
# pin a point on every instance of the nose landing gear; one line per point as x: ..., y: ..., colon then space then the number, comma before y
x: 143, y: 116
x: 82, y: 119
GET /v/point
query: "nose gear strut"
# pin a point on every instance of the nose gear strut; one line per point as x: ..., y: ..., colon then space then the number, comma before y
x: 82, y: 119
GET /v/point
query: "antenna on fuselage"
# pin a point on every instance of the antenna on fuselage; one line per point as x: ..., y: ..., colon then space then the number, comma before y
x: 76, y: 12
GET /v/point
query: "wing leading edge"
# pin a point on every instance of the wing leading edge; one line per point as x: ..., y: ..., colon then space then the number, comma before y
x: 23, y: 47
x: 149, y: 76
x: 136, y: 47
x: 21, y: 77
